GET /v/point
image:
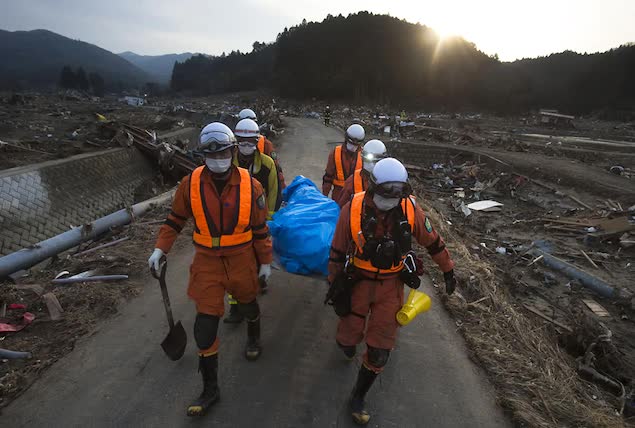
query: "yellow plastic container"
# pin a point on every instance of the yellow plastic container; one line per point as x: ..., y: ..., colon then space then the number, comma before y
x: 416, y: 303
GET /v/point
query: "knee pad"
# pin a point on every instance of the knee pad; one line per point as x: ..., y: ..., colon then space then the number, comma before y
x: 251, y: 310
x: 349, y: 350
x: 378, y: 357
x: 205, y: 330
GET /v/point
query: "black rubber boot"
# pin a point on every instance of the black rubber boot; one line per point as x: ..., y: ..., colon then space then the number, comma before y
x: 234, y: 317
x: 349, y: 351
x: 253, y: 348
x: 208, y: 366
x: 365, y: 380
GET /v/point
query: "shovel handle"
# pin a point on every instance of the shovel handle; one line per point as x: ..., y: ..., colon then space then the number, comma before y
x: 164, y: 291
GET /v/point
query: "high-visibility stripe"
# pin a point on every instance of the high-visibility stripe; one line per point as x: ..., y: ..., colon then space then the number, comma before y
x: 358, y: 182
x: 241, y: 231
x: 340, y: 176
x: 357, y: 205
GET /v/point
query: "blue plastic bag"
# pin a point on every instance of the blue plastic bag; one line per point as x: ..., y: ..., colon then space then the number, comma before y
x: 303, y: 229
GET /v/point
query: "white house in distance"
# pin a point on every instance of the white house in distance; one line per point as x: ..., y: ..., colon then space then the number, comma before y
x: 553, y: 118
x: 134, y: 101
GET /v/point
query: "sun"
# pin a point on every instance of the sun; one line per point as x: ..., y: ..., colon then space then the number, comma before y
x: 445, y: 32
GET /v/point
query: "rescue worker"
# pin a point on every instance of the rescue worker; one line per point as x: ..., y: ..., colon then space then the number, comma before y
x: 262, y: 168
x: 374, y: 234
x: 231, y: 239
x: 372, y: 152
x: 264, y: 145
x: 327, y: 116
x: 343, y: 161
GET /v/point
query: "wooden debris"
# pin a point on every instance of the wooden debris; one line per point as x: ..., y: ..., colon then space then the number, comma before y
x: 547, y: 318
x: 17, y: 146
x: 476, y: 302
x: 414, y: 167
x: 99, y: 247
x: 573, y: 198
x: 35, y: 288
x: 53, y: 305
x: 583, y: 222
x: 596, y: 308
x: 537, y: 259
x: 615, y: 226
x: 148, y: 222
x: 589, y: 259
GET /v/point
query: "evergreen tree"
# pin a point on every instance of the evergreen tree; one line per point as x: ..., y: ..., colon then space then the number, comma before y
x: 82, y: 80
x: 97, y: 84
x: 376, y: 58
x: 67, y: 78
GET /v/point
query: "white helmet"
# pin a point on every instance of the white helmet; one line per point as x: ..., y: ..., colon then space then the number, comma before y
x: 355, y: 133
x: 372, y: 152
x: 390, y: 178
x: 247, y: 113
x: 247, y: 128
x: 216, y: 137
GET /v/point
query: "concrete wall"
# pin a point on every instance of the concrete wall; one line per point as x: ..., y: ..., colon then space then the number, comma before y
x: 40, y: 201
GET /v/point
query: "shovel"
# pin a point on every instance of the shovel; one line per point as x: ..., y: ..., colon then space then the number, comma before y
x: 174, y: 343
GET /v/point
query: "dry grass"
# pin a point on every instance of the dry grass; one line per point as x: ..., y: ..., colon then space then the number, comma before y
x: 536, y: 381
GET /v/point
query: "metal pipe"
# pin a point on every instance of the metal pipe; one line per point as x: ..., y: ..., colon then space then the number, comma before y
x: 13, y: 355
x: 589, y: 281
x: 27, y: 257
x: 74, y: 279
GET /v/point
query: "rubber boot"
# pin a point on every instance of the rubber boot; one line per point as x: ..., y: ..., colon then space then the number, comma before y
x: 253, y: 348
x: 234, y: 317
x: 365, y: 380
x: 208, y: 366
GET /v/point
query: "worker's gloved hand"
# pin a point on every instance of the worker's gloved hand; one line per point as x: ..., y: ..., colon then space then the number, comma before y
x: 265, y: 272
x: 155, y: 259
x: 450, y: 282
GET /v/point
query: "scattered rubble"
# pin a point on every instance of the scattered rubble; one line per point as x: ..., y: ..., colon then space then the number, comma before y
x: 40, y: 127
x: 62, y: 313
x: 561, y: 354
x: 49, y: 308
x: 537, y: 253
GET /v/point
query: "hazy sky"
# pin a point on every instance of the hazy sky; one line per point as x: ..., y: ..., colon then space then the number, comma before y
x: 512, y: 29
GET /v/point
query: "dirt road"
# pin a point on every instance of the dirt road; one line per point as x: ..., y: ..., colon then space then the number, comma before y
x: 120, y: 377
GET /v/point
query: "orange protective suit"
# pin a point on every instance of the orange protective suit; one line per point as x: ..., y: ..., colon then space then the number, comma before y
x: 377, y: 297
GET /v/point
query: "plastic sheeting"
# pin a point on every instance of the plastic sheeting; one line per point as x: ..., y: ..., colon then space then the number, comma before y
x: 303, y: 229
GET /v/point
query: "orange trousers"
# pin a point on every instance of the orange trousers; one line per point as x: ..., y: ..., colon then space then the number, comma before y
x: 375, y: 304
x: 211, y: 276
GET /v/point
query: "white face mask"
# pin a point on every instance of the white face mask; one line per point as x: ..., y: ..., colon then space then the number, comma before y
x: 351, y: 147
x: 247, y: 150
x: 385, y: 204
x: 368, y: 166
x: 218, y: 166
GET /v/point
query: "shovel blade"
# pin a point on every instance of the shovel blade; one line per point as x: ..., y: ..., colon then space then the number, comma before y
x: 175, y: 342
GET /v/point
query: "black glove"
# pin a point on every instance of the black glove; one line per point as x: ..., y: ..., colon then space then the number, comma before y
x: 412, y: 280
x: 450, y: 282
